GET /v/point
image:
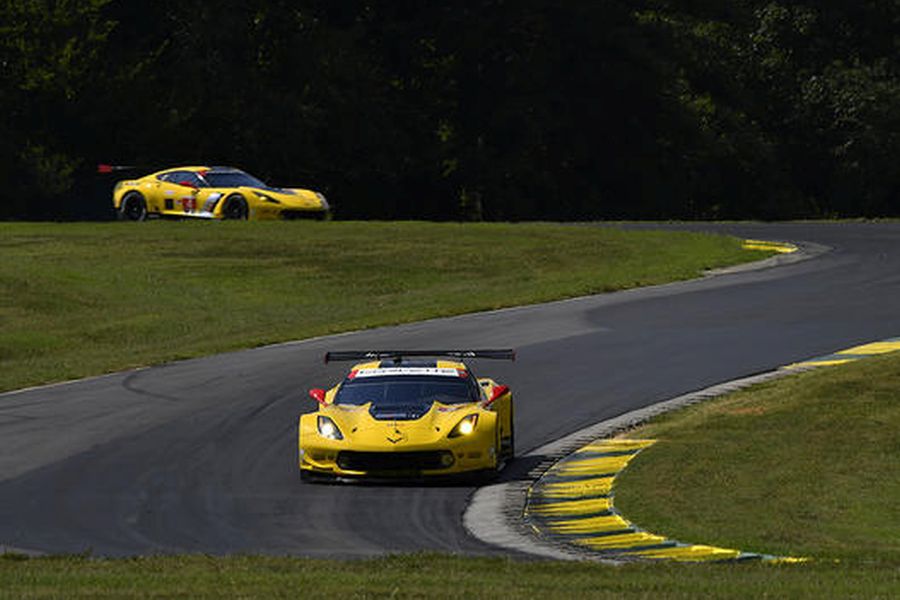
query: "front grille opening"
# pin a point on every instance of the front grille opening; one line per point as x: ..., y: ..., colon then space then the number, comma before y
x: 395, y: 461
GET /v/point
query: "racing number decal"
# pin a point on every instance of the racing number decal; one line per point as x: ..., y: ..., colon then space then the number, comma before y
x: 188, y: 203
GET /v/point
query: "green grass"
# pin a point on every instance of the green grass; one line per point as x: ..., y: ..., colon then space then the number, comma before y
x: 425, y: 575
x: 87, y: 298
x: 804, y: 466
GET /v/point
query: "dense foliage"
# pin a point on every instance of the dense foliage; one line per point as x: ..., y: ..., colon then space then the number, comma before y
x: 533, y: 109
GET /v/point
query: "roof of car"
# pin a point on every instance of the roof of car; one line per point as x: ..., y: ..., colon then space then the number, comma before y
x: 193, y: 168
x: 202, y: 168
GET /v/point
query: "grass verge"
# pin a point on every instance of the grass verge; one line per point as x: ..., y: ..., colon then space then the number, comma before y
x: 87, y: 298
x: 425, y: 576
x: 804, y: 466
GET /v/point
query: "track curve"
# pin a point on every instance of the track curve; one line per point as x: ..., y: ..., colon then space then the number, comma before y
x: 200, y: 456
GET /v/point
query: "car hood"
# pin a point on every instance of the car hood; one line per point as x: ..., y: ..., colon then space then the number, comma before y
x: 288, y: 196
x: 359, y: 423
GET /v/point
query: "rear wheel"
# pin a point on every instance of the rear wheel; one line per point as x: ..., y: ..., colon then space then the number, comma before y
x: 133, y: 207
x: 235, y: 208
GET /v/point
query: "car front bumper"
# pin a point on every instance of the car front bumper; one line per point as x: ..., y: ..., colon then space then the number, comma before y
x: 450, y: 458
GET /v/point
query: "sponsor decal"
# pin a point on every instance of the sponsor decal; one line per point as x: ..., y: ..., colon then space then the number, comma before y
x: 384, y: 371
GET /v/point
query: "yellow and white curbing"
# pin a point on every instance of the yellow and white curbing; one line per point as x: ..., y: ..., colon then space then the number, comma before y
x: 572, y: 503
x: 780, y: 247
x: 849, y: 355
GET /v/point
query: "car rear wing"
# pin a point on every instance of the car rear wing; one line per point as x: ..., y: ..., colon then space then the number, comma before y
x: 399, y: 355
x: 104, y: 169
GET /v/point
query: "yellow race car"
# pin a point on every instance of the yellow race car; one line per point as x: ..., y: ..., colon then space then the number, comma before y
x: 212, y: 193
x: 395, y: 416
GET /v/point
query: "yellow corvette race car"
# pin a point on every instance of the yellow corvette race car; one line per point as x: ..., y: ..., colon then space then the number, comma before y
x: 395, y: 417
x: 212, y: 193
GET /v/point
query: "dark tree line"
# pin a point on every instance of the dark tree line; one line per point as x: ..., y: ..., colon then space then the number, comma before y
x: 526, y: 109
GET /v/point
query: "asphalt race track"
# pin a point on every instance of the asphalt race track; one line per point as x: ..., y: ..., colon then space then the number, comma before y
x: 200, y: 456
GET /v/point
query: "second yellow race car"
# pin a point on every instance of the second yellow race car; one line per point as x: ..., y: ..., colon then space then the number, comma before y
x: 212, y: 193
x: 395, y: 417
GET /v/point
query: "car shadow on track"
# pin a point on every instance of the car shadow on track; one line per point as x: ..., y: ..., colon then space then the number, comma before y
x: 525, y: 468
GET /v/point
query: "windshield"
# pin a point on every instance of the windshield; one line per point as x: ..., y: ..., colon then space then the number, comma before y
x: 405, y: 397
x: 227, y: 179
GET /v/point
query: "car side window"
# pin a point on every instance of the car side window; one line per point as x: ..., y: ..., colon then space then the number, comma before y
x: 178, y: 177
x: 190, y: 177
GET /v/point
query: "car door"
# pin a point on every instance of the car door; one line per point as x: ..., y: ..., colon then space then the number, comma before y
x: 173, y: 194
x: 186, y: 187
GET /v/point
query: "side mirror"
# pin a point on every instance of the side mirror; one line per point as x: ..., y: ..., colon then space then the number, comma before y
x: 318, y: 395
x: 498, y: 391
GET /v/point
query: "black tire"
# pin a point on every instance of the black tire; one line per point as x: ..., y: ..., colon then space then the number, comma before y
x: 507, y: 445
x: 133, y: 207
x: 511, y: 451
x: 235, y: 208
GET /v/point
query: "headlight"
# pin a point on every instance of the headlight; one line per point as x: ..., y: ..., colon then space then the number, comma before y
x: 464, y: 427
x: 265, y: 198
x: 328, y: 429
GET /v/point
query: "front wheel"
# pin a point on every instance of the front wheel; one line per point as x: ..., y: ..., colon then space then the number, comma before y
x: 509, y: 443
x: 235, y: 208
x: 133, y: 208
x: 509, y: 448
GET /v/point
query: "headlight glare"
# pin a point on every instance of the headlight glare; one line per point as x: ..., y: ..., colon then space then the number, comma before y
x: 329, y: 429
x: 465, y: 427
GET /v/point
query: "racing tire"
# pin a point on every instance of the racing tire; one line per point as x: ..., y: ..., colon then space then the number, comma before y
x: 511, y: 449
x: 133, y: 207
x: 512, y: 432
x: 235, y: 208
